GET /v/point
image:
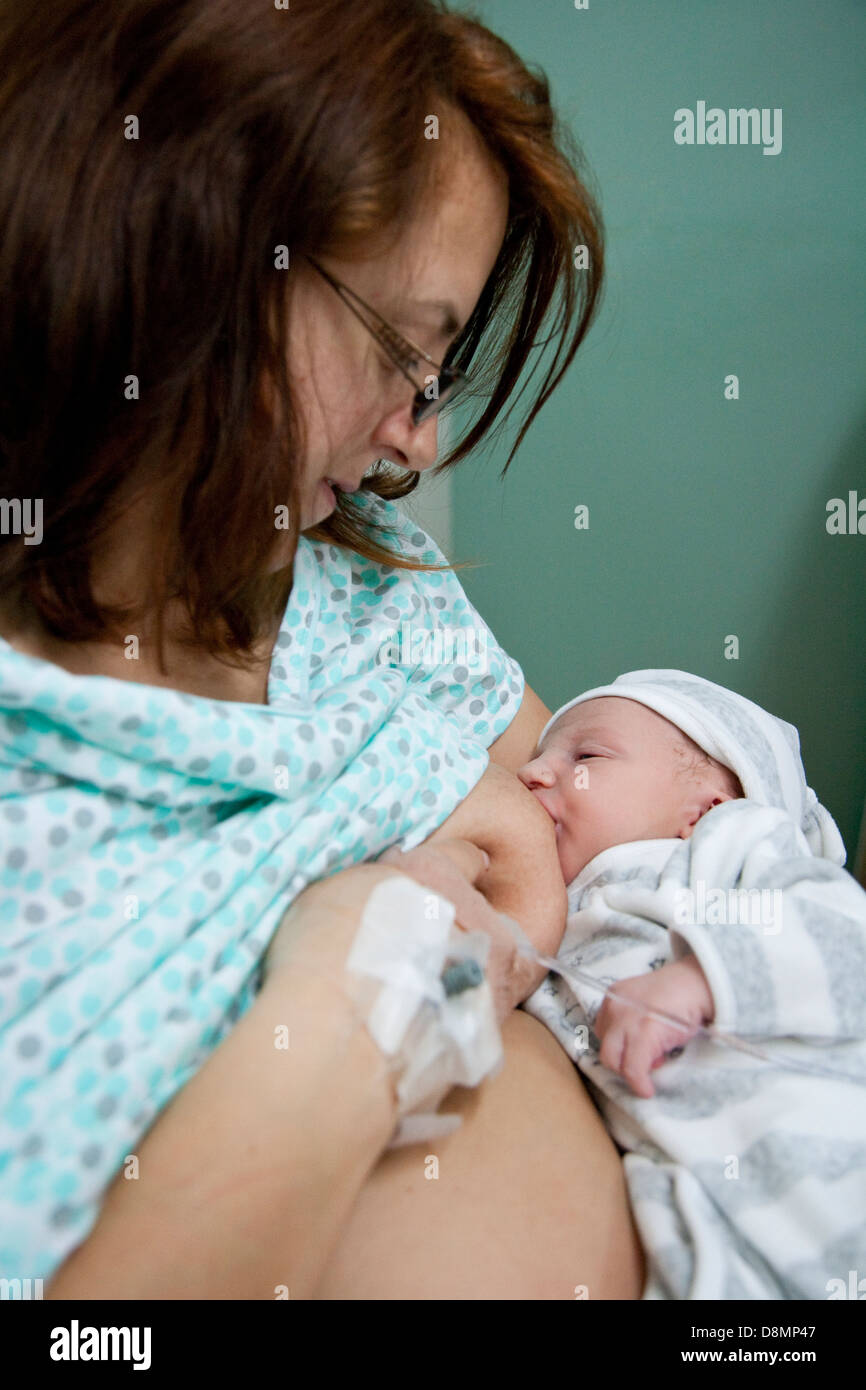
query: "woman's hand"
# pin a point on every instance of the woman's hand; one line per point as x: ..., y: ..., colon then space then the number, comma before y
x: 634, y: 1044
x: 316, y: 934
x: 451, y: 868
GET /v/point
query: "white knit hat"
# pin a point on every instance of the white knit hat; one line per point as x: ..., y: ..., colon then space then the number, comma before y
x: 762, y: 750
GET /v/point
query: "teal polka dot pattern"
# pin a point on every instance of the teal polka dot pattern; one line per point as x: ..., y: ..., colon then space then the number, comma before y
x: 151, y: 841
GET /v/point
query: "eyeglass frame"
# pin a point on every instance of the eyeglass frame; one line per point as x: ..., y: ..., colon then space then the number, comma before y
x: 401, y: 351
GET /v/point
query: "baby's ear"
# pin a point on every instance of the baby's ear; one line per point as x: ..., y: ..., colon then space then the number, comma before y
x: 697, y: 806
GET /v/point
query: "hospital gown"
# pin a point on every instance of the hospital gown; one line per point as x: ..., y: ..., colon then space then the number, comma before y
x: 152, y: 840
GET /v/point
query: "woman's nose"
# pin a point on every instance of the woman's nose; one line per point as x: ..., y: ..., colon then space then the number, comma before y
x: 417, y: 445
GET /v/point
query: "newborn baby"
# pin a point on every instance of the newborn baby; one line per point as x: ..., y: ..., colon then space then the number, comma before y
x: 705, y: 881
x: 611, y: 771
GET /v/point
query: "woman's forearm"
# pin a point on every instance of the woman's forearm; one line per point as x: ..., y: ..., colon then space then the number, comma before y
x: 247, y: 1176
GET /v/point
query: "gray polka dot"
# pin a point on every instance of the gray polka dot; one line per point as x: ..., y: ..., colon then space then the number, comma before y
x: 212, y: 879
x: 14, y: 813
x: 131, y: 723
x: 418, y: 538
x: 246, y: 765
x: 34, y: 913
x: 159, y: 832
x: 344, y: 726
x: 8, y: 968
x: 476, y: 706
x: 178, y: 1015
x: 391, y: 611
x: 32, y: 1145
x: 314, y: 771
x: 29, y: 1045
x: 106, y: 1107
x: 429, y: 798
x: 241, y: 845
x: 62, y: 1215
x: 439, y: 602
x: 83, y: 818
x: 306, y: 732
x: 199, y: 765
x: 114, y: 1053
x: 461, y: 674
x: 395, y: 810
x: 16, y: 859
x: 91, y: 1155
x: 338, y: 594
x: 57, y: 835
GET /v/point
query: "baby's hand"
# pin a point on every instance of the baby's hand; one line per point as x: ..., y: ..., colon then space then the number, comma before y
x: 634, y: 1044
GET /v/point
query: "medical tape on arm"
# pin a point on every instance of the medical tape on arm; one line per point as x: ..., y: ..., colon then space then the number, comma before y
x: 418, y: 982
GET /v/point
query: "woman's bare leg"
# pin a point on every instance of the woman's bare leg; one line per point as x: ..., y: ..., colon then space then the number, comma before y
x: 529, y: 1203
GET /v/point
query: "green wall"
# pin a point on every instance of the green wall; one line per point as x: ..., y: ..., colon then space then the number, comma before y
x: 707, y: 516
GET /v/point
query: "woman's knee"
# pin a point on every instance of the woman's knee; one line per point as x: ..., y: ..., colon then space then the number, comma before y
x: 526, y: 1199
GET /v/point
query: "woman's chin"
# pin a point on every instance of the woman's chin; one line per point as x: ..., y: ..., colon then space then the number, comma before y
x: 321, y: 506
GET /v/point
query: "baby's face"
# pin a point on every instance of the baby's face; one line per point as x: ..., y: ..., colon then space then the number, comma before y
x: 607, y: 773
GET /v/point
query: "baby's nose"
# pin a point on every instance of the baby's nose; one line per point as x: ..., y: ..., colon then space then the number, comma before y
x: 535, y: 774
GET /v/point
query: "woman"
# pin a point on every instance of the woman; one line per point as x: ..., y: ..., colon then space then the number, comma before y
x: 204, y: 202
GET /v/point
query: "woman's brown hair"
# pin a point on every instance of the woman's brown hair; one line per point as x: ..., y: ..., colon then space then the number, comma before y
x: 156, y: 258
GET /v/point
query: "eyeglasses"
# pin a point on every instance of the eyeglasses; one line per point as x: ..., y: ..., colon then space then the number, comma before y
x: 404, y: 354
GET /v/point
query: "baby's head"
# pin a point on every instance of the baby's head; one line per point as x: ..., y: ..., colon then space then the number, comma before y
x: 611, y: 770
